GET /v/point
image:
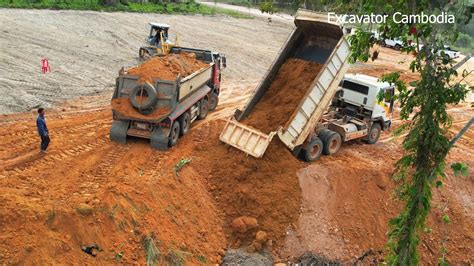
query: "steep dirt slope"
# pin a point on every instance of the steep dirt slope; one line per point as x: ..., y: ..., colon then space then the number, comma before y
x: 87, y: 190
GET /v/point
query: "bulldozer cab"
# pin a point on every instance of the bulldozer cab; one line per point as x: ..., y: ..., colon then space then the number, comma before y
x: 158, y: 33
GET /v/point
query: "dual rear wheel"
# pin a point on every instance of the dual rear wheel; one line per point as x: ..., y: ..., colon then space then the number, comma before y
x: 328, y: 142
x: 181, y: 126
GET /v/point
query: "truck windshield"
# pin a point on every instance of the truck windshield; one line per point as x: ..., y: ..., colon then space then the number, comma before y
x: 355, y: 87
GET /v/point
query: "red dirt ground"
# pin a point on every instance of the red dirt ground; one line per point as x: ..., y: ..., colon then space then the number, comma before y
x: 87, y: 190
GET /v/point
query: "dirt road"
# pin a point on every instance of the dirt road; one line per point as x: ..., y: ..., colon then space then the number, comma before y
x: 87, y: 190
x: 252, y: 12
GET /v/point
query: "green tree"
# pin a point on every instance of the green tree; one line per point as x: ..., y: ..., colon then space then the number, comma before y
x: 424, y: 106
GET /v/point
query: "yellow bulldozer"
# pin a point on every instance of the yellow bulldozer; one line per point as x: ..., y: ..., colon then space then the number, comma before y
x: 158, y: 41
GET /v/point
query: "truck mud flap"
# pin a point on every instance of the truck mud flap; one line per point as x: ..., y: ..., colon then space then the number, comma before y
x: 118, y: 131
x: 159, y: 139
x: 246, y: 139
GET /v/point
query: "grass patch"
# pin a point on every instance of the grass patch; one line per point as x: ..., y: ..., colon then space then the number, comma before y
x: 176, y: 257
x: 50, y: 216
x: 182, y: 163
x: 201, y: 258
x: 208, y: 10
x: 152, y: 252
x: 189, y: 7
x: 119, y: 256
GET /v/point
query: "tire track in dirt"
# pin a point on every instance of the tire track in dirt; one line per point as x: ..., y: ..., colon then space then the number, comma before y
x: 26, y: 136
x: 106, y: 166
x: 14, y: 151
x: 20, y: 167
x: 87, y: 112
x: 91, y: 179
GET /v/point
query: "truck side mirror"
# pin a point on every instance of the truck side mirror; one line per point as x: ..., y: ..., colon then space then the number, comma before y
x: 224, y: 62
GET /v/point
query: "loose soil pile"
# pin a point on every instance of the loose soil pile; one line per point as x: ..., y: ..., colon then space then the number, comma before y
x: 95, y: 191
x: 167, y: 67
x: 125, y: 108
x: 266, y: 189
x: 284, y: 94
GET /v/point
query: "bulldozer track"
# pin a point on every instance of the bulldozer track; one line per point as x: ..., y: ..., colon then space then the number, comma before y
x: 56, y: 115
x: 29, y: 138
x: 45, y: 86
x: 19, y: 167
x: 107, y: 164
x: 91, y: 178
x: 57, y: 130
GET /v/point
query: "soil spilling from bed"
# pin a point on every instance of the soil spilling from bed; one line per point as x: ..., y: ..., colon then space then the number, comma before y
x: 167, y: 67
x: 283, y: 96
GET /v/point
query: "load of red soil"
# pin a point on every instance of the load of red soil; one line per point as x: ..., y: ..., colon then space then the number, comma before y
x: 247, y: 188
x: 125, y: 108
x: 167, y: 67
x: 284, y: 94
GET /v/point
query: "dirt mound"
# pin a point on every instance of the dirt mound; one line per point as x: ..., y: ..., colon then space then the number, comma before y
x: 124, y: 107
x: 87, y: 190
x: 167, y: 67
x: 266, y: 188
x: 284, y: 94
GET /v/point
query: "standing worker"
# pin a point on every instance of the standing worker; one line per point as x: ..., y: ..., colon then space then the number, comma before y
x: 42, y: 130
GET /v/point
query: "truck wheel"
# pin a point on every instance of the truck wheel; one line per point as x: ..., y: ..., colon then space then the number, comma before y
x: 374, y: 134
x: 313, y: 150
x: 397, y: 47
x: 203, y: 109
x: 174, y: 134
x: 331, y: 142
x: 213, y: 101
x: 184, y: 123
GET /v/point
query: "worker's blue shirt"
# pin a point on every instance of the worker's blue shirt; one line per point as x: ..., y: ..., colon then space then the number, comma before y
x: 41, y: 124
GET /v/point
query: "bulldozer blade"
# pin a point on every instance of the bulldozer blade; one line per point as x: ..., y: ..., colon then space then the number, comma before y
x: 118, y: 131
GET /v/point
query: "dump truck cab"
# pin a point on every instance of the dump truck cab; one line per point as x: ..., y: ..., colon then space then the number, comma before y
x: 358, y: 95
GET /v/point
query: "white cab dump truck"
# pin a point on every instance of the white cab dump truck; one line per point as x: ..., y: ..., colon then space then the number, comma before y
x: 322, y: 119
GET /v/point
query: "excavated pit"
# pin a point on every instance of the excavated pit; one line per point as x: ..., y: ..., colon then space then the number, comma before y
x: 284, y: 94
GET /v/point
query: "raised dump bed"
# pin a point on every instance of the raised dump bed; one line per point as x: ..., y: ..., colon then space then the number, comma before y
x: 296, y: 90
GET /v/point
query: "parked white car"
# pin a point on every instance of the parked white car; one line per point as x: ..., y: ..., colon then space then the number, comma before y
x: 395, y: 43
x: 449, y: 52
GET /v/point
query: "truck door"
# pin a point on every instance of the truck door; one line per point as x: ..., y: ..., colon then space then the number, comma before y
x: 216, y: 73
